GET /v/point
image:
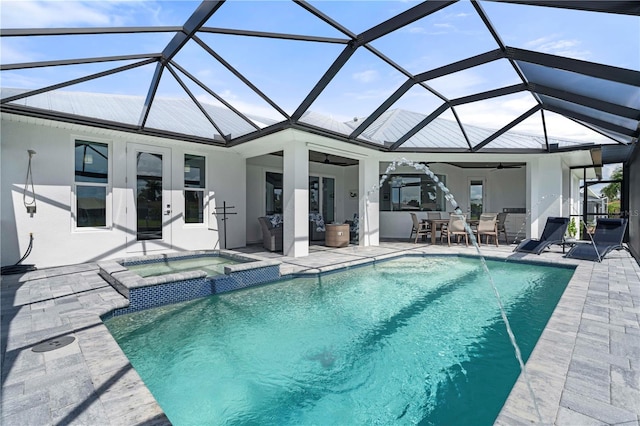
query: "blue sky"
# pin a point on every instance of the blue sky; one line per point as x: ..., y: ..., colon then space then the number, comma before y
x: 286, y: 70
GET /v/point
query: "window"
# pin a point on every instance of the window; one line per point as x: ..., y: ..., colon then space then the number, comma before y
x: 328, y: 199
x: 476, y: 197
x: 194, y: 188
x: 274, y: 193
x: 412, y: 192
x: 91, y: 183
x: 326, y: 203
x: 314, y: 194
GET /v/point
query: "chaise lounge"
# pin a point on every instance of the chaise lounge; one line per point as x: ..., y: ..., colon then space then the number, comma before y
x: 553, y: 233
x: 608, y: 236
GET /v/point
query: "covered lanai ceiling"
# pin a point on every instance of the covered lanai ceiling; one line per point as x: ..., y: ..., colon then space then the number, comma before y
x: 452, y: 76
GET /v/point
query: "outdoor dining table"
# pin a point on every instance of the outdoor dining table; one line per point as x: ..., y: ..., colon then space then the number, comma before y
x: 436, y: 225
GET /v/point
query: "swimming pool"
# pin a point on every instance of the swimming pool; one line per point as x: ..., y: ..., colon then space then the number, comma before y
x: 406, y: 341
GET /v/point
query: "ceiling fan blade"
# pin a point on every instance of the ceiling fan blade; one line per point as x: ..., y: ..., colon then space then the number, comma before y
x: 503, y: 167
x: 327, y: 160
x: 441, y: 162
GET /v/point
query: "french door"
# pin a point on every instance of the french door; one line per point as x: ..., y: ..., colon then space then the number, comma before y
x: 476, y: 197
x: 149, y: 210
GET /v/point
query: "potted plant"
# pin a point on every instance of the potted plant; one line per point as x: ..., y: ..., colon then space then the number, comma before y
x: 572, y: 229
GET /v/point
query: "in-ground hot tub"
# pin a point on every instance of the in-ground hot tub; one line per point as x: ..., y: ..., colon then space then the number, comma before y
x: 156, y: 280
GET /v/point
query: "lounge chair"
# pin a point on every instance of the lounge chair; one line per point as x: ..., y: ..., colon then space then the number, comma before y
x: 553, y: 233
x: 607, y: 236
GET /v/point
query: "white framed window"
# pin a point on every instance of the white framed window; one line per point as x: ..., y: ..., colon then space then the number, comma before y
x: 407, y: 192
x: 92, y: 185
x: 194, y: 188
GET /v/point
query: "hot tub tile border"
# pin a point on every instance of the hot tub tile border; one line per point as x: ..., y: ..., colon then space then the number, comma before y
x: 151, y: 292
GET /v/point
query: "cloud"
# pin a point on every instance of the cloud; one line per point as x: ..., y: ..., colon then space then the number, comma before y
x: 416, y: 30
x: 379, y: 94
x: 30, y: 14
x: 496, y: 113
x: 457, y: 84
x: 51, y: 14
x: 247, y: 108
x: 555, y: 45
x: 440, y: 29
x: 366, y: 76
x: 14, y: 54
x: 18, y: 81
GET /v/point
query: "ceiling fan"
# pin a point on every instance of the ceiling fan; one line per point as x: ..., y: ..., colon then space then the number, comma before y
x: 333, y: 163
x: 501, y: 166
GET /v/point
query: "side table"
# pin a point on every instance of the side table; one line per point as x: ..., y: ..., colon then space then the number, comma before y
x: 336, y: 235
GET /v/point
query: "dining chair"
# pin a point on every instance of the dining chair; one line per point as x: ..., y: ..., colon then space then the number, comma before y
x: 456, y: 228
x: 418, y: 227
x: 501, y: 227
x: 487, y: 225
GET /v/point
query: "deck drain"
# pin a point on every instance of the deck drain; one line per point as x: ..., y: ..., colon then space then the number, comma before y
x: 52, y: 344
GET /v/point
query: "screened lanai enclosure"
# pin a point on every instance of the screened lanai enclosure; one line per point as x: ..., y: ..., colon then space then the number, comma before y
x: 451, y: 78
x: 371, y: 73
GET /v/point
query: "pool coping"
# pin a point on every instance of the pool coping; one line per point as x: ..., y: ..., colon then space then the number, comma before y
x: 592, y: 338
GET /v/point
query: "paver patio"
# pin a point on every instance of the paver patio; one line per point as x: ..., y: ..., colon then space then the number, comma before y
x: 584, y: 370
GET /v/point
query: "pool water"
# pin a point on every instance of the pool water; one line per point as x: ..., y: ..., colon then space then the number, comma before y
x: 415, y: 340
x: 212, y: 265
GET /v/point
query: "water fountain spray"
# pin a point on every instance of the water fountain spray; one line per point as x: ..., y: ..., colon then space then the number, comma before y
x: 450, y: 198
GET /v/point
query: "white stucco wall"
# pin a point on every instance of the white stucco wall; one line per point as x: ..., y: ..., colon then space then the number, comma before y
x: 544, y: 191
x: 56, y: 239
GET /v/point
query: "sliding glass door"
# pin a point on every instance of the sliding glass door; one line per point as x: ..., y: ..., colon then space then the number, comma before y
x: 322, y: 195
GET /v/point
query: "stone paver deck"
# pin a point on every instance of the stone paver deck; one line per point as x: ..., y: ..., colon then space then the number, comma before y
x: 585, y: 369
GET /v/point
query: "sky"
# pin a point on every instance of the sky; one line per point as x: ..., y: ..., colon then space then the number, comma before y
x: 286, y: 70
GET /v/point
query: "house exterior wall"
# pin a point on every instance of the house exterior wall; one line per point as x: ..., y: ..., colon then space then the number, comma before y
x: 233, y: 177
x: 57, y: 241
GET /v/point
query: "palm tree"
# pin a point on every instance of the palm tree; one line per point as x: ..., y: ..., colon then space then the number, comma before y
x: 612, y: 191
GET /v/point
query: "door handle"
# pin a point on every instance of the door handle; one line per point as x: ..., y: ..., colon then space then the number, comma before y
x: 167, y: 212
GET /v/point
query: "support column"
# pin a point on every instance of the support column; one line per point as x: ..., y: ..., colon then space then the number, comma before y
x: 296, y: 200
x: 369, y: 205
x: 544, y: 192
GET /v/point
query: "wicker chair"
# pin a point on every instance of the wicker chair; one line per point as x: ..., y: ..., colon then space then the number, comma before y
x: 271, y: 235
x: 316, y: 227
